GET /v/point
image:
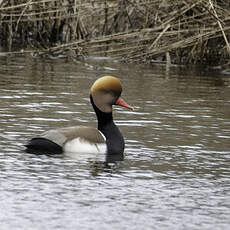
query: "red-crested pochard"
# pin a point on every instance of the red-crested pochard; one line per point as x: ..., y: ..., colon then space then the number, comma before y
x: 107, y: 139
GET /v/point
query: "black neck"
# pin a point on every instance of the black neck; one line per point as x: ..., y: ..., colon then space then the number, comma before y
x: 114, y: 138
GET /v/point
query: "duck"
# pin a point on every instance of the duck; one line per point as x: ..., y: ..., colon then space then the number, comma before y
x: 106, y: 139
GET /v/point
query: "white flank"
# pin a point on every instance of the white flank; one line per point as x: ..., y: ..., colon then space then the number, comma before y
x: 79, y: 147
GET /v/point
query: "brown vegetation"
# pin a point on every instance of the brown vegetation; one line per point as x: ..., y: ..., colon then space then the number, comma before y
x: 189, y: 31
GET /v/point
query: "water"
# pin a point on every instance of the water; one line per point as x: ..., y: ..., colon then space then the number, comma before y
x: 176, y: 170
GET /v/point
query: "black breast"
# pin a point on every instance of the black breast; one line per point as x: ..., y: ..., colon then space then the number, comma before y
x: 114, y: 139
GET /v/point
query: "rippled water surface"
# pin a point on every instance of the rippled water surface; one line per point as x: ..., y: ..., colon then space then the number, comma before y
x: 176, y: 170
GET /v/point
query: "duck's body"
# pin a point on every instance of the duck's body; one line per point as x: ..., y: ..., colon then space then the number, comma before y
x: 106, y: 139
x: 66, y: 140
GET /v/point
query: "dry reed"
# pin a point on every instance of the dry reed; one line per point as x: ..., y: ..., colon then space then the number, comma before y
x: 189, y: 31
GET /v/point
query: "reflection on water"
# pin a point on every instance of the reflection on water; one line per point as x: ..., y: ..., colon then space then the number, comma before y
x: 176, y: 168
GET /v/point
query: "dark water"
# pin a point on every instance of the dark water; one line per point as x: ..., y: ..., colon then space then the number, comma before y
x: 176, y: 170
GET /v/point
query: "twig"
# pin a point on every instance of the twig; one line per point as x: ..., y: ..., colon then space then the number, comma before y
x: 220, y: 25
x: 159, y: 36
x: 23, y: 11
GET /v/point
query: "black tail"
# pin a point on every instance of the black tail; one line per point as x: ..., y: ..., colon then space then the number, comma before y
x: 43, y: 146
